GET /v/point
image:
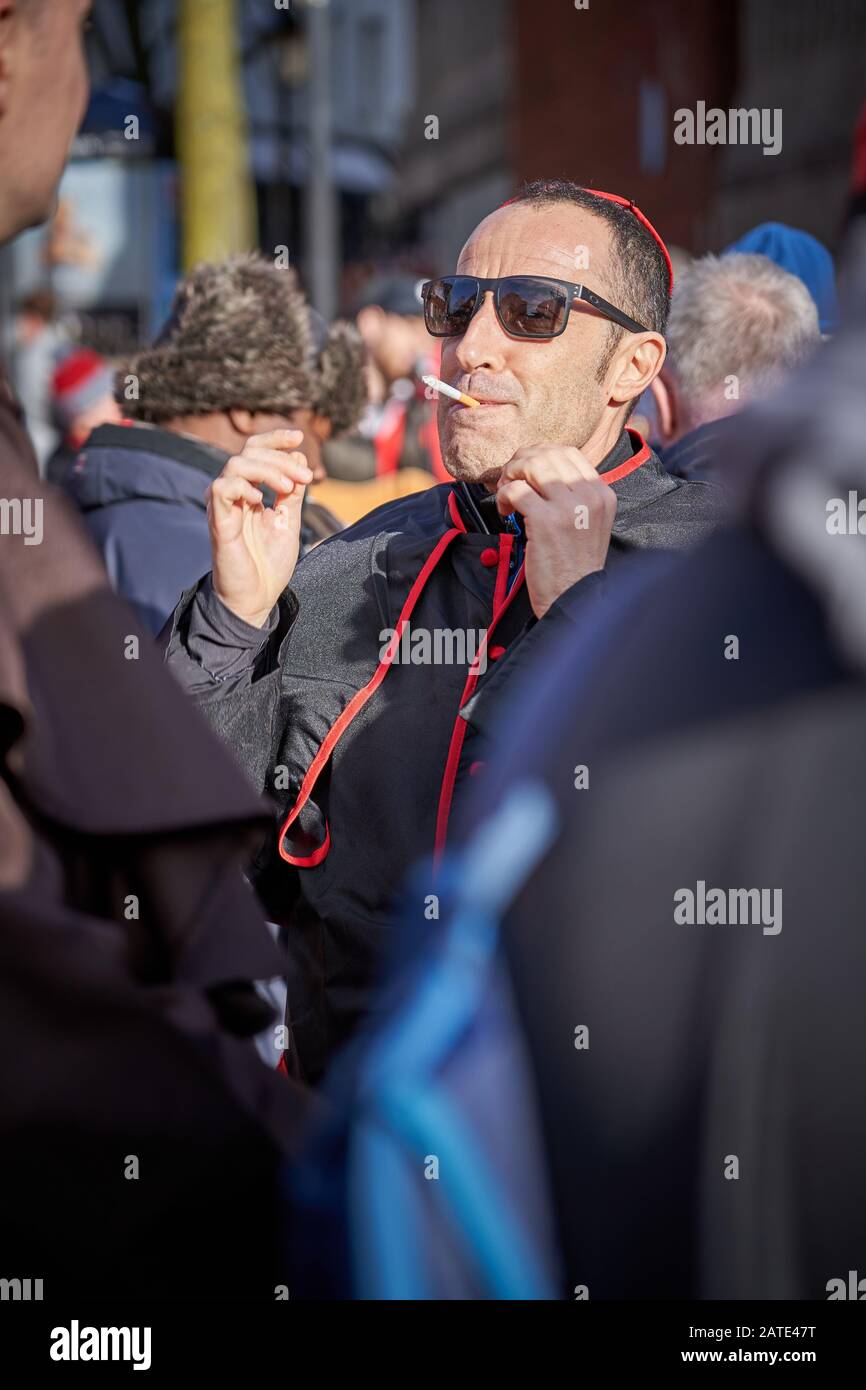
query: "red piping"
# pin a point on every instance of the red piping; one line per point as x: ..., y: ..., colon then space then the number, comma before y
x: 355, y: 705
x: 631, y: 465
x: 501, y: 603
x: 454, y: 512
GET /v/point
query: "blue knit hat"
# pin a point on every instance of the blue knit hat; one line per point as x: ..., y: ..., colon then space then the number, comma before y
x: 801, y: 254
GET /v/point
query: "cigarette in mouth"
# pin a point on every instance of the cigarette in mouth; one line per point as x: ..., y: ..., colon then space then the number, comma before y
x: 449, y: 390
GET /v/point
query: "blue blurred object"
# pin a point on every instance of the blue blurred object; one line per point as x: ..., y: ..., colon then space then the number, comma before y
x: 801, y: 254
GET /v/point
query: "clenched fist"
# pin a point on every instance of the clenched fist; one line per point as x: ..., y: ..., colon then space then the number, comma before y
x: 255, y: 548
x: 568, y: 512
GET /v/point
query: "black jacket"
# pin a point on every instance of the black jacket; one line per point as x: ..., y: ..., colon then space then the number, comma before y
x: 700, y: 455
x: 365, y: 756
x: 128, y: 944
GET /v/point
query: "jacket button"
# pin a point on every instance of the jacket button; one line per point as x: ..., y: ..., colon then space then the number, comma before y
x: 495, y: 653
x: 489, y: 557
x: 475, y: 768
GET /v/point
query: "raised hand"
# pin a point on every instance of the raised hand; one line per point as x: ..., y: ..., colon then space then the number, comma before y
x: 568, y: 513
x: 255, y: 548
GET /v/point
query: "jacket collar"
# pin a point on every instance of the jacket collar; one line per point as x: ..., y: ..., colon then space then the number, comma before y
x: 698, y: 451
x: 151, y: 439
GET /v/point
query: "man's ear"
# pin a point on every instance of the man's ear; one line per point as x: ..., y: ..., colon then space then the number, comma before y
x: 321, y: 427
x: 9, y: 18
x: 636, y: 366
x: 667, y: 403
x: 241, y: 420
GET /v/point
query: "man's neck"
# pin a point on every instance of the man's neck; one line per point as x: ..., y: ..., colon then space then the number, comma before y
x: 215, y: 430
x: 597, y: 447
x: 604, y: 438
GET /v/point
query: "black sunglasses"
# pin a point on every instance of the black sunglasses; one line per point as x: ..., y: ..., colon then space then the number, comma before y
x: 527, y: 306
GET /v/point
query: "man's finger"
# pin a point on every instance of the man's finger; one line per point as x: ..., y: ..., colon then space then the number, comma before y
x: 225, y: 494
x: 281, y: 473
x: 293, y: 467
x: 275, y: 439
x: 545, y: 468
x: 539, y: 474
x: 517, y: 496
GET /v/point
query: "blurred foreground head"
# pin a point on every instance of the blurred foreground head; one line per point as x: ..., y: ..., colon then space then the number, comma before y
x: 43, y: 95
x: 243, y: 353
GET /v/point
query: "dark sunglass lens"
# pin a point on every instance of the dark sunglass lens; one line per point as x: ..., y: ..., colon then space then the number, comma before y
x: 531, y: 308
x: 449, y: 303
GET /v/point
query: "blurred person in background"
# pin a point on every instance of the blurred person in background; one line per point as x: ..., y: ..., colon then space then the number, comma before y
x: 38, y: 340
x: 82, y: 399
x: 738, y: 325
x: 241, y: 355
x: 129, y: 941
x: 397, y: 442
x: 804, y: 256
x: 363, y: 740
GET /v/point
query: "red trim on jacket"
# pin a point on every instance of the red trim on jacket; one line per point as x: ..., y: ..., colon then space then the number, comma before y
x: 355, y: 705
x: 644, y: 453
x: 455, y: 513
x: 501, y: 603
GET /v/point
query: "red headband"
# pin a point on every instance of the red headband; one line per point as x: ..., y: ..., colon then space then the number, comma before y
x: 633, y: 207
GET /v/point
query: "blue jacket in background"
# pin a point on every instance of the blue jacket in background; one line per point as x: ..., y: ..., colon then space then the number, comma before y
x: 141, y: 491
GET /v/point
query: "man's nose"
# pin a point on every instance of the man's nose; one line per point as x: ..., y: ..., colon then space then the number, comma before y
x: 484, y: 344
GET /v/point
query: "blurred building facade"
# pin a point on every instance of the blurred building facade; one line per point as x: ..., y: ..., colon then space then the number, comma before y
x: 808, y: 58
x: 457, y: 157
x: 531, y: 88
x: 438, y: 110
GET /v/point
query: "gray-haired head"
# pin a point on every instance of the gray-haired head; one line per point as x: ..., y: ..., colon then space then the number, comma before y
x: 738, y: 325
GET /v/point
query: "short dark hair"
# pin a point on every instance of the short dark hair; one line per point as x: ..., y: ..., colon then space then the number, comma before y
x: 639, y: 278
